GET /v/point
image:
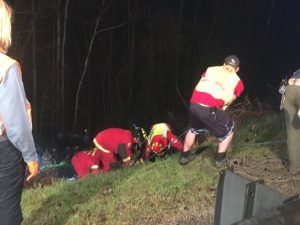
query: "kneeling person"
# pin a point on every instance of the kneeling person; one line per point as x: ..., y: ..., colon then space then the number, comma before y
x: 161, y: 139
x: 115, y: 147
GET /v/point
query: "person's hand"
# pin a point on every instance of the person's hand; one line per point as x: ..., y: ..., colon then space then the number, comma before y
x: 33, y: 168
x: 127, y: 161
x: 94, y: 169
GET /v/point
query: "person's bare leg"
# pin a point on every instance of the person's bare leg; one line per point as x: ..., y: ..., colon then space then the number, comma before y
x: 220, y: 158
x: 223, y: 145
x: 186, y: 155
x: 188, y: 141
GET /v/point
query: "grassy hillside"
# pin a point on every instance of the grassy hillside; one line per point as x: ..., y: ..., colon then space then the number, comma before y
x: 162, y: 192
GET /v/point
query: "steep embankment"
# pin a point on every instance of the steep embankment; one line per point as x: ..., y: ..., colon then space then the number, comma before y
x: 164, y: 192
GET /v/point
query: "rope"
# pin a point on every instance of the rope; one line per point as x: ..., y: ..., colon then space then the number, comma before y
x: 204, y: 131
x: 184, y: 132
x: 167, y: 147
x: 54, y: 165
x: 262, y: 143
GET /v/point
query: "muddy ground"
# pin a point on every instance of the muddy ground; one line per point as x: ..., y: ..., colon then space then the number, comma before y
x: 272, y: 170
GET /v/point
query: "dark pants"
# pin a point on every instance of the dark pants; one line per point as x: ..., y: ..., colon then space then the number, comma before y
x: 216, y: 121
x: 12, y: 173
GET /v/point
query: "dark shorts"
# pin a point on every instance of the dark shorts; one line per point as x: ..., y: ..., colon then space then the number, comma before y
x: 215, y: 121
x: 12, y: 173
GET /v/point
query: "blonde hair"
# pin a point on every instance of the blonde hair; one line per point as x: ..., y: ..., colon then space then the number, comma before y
x: 5, y: 26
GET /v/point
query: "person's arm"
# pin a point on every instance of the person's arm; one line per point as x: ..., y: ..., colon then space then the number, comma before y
x: 239, y: 88
x: 230, y: 102
x: 123, y: 151
x: 174, y: 141
x: 147, y: 150
x: 15, y: 118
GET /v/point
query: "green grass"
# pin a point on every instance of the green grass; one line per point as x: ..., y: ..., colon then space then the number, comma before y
x: 154, y: 193
x: 263, y: 129
x: 118, y: 197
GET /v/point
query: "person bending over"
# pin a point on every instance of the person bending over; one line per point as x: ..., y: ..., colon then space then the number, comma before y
x: 218, y: 87
x: 115, y: 146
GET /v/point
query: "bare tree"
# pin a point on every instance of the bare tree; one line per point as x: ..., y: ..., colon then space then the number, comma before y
x: 57, y: 65
x: 267, y: 30
x: 34, y: 69
x: 85, y: 67
x: 131, y: 48
x: 96, y: 31
x: 62, y: 66
x: 214, y: 22
x: 107, y: 96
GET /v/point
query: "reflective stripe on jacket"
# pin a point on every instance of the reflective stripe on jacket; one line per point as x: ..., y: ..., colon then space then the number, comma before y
x: 158, y: 129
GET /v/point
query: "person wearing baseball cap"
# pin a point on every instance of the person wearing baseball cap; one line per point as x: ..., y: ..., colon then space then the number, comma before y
x: 233, y: 61
x: 217, y: 88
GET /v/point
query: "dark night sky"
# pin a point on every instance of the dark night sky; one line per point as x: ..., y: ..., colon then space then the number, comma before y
x: 173, y: 40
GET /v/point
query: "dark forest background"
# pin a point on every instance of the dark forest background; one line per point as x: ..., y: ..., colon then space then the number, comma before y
x: 107, y: 63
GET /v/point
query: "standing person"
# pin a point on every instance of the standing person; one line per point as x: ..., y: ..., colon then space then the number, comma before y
x: 116, y: 146
x: 161, y: 137
x: 291, y: 106
x: 218, y: 87
x: 16, y: 140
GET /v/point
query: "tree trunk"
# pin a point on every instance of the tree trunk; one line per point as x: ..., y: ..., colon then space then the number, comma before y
x: 175, y: 72
x: 131, y: 48
x: 57, y: 66
x: 110, y: 93
x: 267, y: 30
x: 84, y: 70
x: 213, y: 25
x: 62, y: 71
x: 34, y: 73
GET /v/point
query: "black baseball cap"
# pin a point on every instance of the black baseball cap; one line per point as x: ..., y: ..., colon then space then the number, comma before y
x: 232, y: 60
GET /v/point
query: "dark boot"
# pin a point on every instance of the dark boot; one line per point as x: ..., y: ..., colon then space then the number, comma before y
x: 186, y: 157
x: 221, y: 160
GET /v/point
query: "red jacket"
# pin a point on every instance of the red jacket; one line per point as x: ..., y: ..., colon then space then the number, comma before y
x: 107, y: 141
x: 84, y: 160
x: 160, y: 137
